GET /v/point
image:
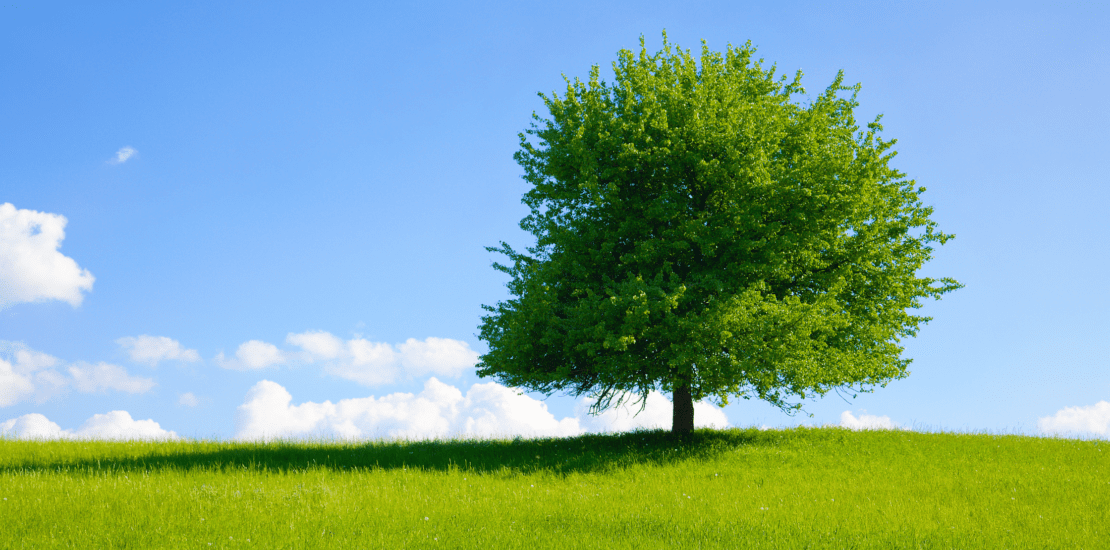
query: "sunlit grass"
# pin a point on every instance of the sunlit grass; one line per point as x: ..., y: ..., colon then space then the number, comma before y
x: 800, y: 488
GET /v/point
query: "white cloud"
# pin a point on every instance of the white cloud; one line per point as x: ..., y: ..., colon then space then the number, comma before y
x: 253, y: 355
x: 14, y: 385
x: 120, y: 425
x: 153, y: 349
x: 123, y: 155
x: 367, y: 363
x: 31, y: 359
x: 1092, y: 420
x: 88, y: 378
x: 27, y: 373
x: 440, y: 410
x: 188, y: 399
x: 442, y: 356
x: 31, y: 268
x: 32, y: 426
x: 116, y: 425
x: 867, y: 422
x: 319, y: 344
x: 657, y: 414
x: 376, y: 363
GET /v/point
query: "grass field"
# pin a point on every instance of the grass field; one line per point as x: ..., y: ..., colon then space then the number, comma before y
x: 799, y: 488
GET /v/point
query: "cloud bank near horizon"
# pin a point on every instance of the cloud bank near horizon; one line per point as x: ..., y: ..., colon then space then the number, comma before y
x: 114, y: 425
x: 486, y: 410
x: 868, y: 422
x: 31, y: 268
x: 1088, y: 421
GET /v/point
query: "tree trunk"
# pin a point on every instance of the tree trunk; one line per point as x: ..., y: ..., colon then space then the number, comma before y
x: 683, y: 419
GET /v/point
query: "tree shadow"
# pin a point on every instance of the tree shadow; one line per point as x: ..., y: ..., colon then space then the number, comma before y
x: 560, y: 456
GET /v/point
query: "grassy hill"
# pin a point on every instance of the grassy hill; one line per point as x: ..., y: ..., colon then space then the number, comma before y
x: 800, y: 488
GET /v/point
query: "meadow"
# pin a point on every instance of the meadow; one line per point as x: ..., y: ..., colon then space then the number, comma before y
x: 789, y: 489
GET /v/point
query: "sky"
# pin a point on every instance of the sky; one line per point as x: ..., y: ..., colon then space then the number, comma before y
x: 256, y: 220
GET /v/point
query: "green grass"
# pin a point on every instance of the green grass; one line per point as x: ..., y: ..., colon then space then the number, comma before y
x: 800, y: 488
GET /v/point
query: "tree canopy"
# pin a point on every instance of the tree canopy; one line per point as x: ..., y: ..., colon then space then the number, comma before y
x: 699, y: 231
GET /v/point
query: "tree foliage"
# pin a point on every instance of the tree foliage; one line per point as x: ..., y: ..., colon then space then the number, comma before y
x: 698, y: 230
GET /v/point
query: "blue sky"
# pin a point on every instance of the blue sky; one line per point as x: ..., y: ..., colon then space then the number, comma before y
x: 271, y: 172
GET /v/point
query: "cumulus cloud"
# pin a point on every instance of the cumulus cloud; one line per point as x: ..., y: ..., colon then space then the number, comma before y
x: 151, y: 350
x: 29, y: 374
x: 123, y: 155
x: 253, y: 355
x: 442, y: 356
x: 867, y: 422
x: 376, y: 363
x: 440, y: 410
x: 31, y: 268
x: 188, y: 399
x: 120, y: 425
x: 32, y: 426
x: 116, y: 425
x: 367, y: 363
x: 1082, y: 421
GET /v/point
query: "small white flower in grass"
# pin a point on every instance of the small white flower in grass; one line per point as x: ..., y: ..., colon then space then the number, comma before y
x: 425, y: 518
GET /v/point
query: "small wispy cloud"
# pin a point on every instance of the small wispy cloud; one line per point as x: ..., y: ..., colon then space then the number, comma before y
x: 123, y: 155
x: 188, y: 399
x: 153, y: 349
x: 88, y: 378
x: 253, y: 355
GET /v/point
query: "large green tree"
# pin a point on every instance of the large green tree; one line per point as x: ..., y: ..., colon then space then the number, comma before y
x: 700, y: 232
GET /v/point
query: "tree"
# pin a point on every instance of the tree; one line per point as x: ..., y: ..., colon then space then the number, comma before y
x: 700, y: 233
